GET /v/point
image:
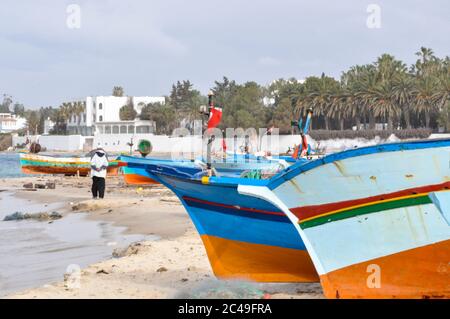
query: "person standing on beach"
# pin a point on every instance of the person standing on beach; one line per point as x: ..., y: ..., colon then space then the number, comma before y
x: 99, y: 164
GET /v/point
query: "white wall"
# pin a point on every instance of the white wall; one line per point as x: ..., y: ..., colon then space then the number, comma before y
x: 164, y: 144
x: 161, y: 143
x: 110, y: 108
x: 69, y: 143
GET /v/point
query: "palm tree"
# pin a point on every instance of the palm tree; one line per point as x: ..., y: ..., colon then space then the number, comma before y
x: 384, y: 104
x: 442, y: 93
x: 338, y: 105
x: 360, y: 82
x: 118, y: 91
x: 424, y: 98
x: 79, y: 109
x: 318, y: 96
x: 65, y: 111
x: 403, y: 95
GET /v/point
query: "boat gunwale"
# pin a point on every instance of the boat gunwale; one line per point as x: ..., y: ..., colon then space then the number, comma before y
x: 299, y: 168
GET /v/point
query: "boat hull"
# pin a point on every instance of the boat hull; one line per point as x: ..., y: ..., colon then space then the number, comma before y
x: 374, y: 220
x: 42, y: 164
x: 137, y: 176
x: 231, y: 259
x: 243, y: 237
x: 424, y: 275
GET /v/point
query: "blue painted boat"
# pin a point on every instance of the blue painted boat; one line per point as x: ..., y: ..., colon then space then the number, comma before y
x: 135, y: 173
x: 375, y: 220
x: 244, y: 237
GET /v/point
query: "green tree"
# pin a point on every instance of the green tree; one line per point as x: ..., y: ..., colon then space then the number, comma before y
x: 163, y: 115
x: 6, y: 103
x: 245, y: 108
x: 118, y: 91
x: 33, y: 121
x: 403, y: 95
x: 19, y: 109
x: 282, y: 115
x: 186, y: 101
x: 127, y: 112
x: 318, y: 94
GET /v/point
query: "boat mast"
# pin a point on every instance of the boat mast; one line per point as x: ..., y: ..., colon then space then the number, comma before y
x: 212, y: 137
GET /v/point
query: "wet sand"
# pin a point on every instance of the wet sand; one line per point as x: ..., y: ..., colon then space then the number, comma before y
x: 172, y: 264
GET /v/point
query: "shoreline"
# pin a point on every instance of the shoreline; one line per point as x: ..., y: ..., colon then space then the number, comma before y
x: 174, y: 265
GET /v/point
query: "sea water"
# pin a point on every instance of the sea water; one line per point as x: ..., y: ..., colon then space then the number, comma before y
x: 35, y: 253
x: 10, y: 165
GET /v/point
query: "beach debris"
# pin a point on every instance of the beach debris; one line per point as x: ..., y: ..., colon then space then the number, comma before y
x: 50, y: 185
x: 81, y: 206
x: 132, y: 249
x: 103, y: 271
x: 184, y: 279
x: 169, y: 199
x: 28, y: 185
x: 162, y: 269
x: 35, y: 216
x: 39, y: 186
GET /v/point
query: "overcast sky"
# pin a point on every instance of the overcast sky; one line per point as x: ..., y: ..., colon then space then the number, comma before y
x: 146, y: 45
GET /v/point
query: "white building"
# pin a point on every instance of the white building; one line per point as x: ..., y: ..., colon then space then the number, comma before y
x: 48, y: 126
x: 102, y: 116
x: 10, y: 123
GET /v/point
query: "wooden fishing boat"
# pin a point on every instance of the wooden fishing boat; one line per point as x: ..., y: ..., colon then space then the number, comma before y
x: 375, y: 220
x: 134, y: 173
x: 245, y: 238
x: 45, y: 164
x: 137, y: 175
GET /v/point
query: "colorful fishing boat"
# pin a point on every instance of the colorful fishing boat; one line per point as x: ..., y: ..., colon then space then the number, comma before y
x: 136, y: 174
x: 375, y: 220
x: 244, y: 237
x: 44, y: 164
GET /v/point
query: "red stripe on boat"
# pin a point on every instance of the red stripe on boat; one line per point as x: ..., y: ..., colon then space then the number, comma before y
x: 306, y: 212
x: 253, y: 210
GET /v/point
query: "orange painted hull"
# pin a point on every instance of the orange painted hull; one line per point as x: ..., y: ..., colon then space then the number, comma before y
x: 113, y: 171
x: 55, y: 170
x: 239, y: 260
x: 422, y: 272
x: 135, y: 179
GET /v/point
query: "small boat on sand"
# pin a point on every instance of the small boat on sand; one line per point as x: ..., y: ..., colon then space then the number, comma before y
x: 45, y: 164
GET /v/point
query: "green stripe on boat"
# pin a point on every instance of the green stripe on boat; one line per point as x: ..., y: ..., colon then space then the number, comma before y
x: 376, y: 207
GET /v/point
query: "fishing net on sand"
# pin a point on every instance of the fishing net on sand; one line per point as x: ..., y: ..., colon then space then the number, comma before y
x: 215, y: 289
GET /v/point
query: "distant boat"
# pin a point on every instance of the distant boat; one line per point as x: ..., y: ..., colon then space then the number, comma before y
x: 244, y: 237
x: 45, y: 164
x: 135, y: 173
x: 375, y: 220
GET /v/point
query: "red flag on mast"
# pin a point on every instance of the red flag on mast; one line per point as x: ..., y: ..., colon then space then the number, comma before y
x: 215, y: 115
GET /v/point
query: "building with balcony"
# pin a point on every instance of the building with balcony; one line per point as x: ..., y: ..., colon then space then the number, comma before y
x: 102, y: 116
x: 10, y: 123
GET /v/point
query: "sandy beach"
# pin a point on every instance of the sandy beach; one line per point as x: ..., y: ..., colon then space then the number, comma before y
x: 170, y: 262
